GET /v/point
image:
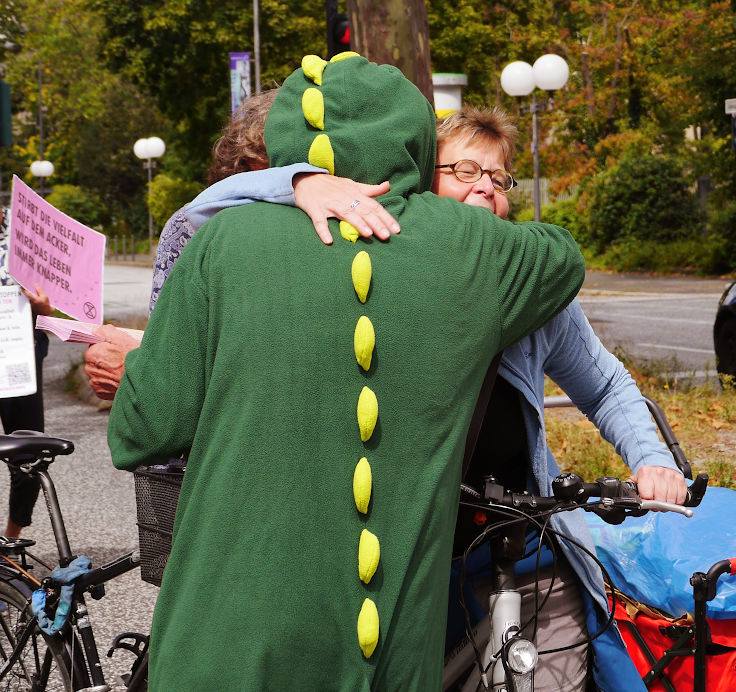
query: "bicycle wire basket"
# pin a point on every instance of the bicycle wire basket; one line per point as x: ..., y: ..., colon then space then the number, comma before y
x: 156, y: 497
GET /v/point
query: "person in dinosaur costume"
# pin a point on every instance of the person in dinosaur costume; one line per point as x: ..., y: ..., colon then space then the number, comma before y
x: 324, y: 394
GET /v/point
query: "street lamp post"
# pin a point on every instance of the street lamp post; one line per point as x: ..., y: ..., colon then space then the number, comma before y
x: 148, y: 149
x: 42, y: 168
x: 550, y: 72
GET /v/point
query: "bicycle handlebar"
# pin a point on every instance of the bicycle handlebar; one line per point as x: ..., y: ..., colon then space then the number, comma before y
x: 618, y: 499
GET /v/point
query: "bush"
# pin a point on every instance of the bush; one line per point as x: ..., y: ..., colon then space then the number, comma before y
x: 698, y: 255
x: 564, y: 214
x: 722, y: 229
x: 170, y: 194
x: 82, y: 205
x: 641, y: 198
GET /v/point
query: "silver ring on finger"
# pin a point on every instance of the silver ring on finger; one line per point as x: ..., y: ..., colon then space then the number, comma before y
x: 354, y: 204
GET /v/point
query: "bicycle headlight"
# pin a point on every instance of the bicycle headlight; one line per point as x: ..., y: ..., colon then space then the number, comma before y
x: 521, y: 656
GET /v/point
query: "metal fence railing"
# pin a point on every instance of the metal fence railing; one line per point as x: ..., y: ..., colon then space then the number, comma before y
x: 523, y: 196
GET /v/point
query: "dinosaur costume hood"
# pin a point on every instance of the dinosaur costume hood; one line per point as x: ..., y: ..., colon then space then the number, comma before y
x: 356, y: 119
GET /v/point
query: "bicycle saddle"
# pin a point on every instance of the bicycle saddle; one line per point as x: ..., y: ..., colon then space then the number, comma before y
x: 25, y: 445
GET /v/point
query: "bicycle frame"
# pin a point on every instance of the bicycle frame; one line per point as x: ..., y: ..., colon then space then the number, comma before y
x: 509, y: 655
x: 86, y: 669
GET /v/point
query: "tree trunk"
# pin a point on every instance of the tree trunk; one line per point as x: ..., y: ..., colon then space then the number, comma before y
x: 394, y: 32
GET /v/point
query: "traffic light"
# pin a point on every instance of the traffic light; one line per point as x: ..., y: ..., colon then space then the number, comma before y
x: 6, y: 130
x: 338, y: 34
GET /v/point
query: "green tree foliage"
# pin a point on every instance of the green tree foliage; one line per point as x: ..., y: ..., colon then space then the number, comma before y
x: 92, y: 116
x: 642, y: 71
x: 168, y: 194
x: 79, y: 203
x: 178, y: 52
x: 658, y: 66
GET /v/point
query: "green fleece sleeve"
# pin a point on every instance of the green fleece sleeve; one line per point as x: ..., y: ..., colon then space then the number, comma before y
x: 540, y: 271
x: 156, y: 409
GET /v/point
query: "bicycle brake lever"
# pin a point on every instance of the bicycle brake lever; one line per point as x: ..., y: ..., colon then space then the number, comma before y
x: 615, y: 510
x: 666, y: 507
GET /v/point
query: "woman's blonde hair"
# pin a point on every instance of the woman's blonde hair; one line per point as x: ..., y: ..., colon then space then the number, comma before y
x: 492, y: 126
x: 241, y: 146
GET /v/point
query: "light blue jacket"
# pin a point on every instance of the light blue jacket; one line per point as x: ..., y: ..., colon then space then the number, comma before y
x: 567, y: 350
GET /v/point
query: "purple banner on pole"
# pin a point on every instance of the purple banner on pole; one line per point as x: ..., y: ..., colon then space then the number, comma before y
x: 64, y: 257
x: 239, y: 79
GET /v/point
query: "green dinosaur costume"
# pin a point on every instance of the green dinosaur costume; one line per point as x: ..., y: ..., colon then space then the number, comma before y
x: 324, y: 399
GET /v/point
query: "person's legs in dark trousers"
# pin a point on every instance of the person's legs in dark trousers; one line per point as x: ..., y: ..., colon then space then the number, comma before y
x: 24, y: 413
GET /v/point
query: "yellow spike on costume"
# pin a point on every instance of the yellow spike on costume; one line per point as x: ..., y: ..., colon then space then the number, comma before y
x: 313, y: 105
x: 364, y: 340
x: 313, y: 67
x: 361, y: 272
x: 368, y: 627
x: 369, y: 555
x: 367, y: 413
x: 362, y: 485
x: 321, y: 154
x: 348, y: 231
x: 445, y: 112
x: 344, y: 56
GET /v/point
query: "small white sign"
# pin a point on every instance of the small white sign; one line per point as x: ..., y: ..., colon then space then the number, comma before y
x: 730, y: 106
x: 17, y: 353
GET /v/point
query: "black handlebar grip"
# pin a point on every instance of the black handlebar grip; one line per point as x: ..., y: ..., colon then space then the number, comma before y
x: 696, y: 491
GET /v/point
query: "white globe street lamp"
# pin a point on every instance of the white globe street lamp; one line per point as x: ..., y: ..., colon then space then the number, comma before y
x: 517, y: 78
x: 42, y: 170
x: 148, y: 149
x: 550, y: 72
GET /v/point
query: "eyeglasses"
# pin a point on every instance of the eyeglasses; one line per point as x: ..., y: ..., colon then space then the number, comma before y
x: 467, y: 171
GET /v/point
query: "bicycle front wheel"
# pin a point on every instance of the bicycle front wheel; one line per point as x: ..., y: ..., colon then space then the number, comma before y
x: 44, y: 663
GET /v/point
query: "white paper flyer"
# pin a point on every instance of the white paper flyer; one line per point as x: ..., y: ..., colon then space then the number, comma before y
x: 17, y: 353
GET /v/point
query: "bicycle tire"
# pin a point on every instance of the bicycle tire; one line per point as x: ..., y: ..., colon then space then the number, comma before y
x: 45, y: 663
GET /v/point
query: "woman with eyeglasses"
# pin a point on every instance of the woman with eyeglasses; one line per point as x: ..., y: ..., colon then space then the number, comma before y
x: 474, y: 154
x: 474, y: 157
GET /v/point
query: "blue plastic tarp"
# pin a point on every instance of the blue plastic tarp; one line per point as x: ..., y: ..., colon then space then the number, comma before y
x: 652, y: 558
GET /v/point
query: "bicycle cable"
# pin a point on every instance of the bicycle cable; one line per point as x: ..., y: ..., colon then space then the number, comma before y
x: 543, y: 528
x: 518, y: 515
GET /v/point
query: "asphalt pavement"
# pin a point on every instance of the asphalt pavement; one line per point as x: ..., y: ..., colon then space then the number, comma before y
x: 664, y: 319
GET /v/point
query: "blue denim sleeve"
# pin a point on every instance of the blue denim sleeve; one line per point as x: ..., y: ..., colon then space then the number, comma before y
x: 601, y: 387
x: 270, y: 185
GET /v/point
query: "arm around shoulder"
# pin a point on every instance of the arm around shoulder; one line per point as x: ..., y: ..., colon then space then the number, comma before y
x: 542, y: 270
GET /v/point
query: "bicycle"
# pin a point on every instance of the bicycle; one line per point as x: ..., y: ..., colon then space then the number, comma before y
x: 510, y: 657
x: 67, y: 659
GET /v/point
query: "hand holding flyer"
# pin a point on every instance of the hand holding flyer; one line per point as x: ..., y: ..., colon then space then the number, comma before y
x: 79, y: 332
x: 61, y: 255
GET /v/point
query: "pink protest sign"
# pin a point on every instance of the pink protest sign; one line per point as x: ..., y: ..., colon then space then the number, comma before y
x: 64, y: 257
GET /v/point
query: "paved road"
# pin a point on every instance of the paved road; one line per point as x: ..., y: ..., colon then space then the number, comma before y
x: 126, y: 291
x: 656, y: 318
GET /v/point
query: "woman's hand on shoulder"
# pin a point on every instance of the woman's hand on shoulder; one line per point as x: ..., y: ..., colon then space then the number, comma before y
x: 323, y: 196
